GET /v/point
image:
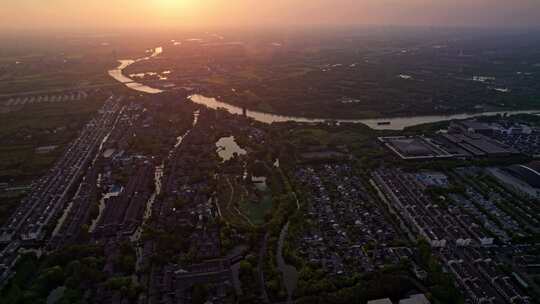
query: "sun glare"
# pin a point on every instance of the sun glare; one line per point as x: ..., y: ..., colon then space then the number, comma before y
x: 173, y: 4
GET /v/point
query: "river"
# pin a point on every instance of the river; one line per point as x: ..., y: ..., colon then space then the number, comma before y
x: 393, y: 123
x: 290, y: 274
x: 118, y: 75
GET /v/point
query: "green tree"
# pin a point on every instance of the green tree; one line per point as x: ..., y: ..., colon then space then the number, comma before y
x: 199, y: 294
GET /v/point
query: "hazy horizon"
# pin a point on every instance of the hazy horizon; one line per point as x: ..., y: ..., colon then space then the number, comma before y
x: 192, y: 14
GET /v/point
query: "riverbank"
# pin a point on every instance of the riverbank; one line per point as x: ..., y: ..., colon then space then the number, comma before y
x: 395, y: 123
x: 383, y: 123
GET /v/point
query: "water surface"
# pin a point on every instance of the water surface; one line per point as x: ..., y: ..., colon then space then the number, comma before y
x: 227, y: 148
x: 130, y: 83
x: 394, y: 123
x: 290, y: 274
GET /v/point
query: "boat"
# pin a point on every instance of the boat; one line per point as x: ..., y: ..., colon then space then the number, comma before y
x: 383, y: 123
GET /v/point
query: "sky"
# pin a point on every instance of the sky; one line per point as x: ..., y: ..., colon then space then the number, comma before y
x: 125, y: 14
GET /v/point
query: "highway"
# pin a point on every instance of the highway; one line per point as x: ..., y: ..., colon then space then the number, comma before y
x: 30, y: 224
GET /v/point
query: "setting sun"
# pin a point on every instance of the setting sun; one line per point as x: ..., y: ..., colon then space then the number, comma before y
x: 269, y: 151
x: 216, y: 13
x: 174, y: 4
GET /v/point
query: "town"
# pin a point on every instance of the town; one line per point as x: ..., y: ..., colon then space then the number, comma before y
x: 183, y: 204
x: 306, y: 167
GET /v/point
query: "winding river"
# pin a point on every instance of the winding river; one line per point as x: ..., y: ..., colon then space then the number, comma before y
x: 118, y: 75
x: 394, y: 123
x: 290, y: 274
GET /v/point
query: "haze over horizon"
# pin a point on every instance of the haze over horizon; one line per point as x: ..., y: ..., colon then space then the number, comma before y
x: 165, y: 14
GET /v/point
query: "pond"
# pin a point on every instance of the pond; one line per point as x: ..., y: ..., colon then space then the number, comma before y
x: 260, y: 183
x: 227, y: 148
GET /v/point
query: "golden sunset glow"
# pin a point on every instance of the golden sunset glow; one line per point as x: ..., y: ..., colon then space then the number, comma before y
x: 201, y: 13
x: 168, y: 5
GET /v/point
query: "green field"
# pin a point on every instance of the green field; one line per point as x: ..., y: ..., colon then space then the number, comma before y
x: 39, y: 125
x: 256, y: 211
